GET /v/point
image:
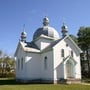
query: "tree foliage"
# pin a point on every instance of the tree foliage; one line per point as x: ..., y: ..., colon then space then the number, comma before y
x: 84, y: 38
x: 7, y: 64
x: 84, y: 44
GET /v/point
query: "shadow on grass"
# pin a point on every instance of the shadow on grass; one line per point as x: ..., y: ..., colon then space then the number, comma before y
x: 11, y: 82
x: 14, y: 82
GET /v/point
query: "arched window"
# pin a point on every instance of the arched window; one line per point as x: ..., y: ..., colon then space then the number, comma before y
x: 22, y: 64
x: 62, y: 52
x: 18, y: 64
x: 72, y: 53
x: 45, y: 62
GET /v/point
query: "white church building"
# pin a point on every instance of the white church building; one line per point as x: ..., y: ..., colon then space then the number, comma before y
x: 48, y: 57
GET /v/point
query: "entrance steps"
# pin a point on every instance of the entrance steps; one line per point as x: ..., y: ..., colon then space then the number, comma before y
x: 73, y: 81
x: 69, y: 81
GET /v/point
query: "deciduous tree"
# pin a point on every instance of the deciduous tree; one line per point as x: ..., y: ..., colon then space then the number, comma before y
x: 84, y: 43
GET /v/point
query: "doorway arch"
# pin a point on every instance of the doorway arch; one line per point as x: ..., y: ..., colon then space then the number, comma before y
x: 70, y: 69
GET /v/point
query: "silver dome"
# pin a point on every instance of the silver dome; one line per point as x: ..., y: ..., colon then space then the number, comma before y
x: 46, y: 30
x: 23, y: 34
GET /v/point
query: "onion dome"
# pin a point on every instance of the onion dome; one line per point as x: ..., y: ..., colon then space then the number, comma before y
x: 46, y: 30
x: 23, y: 35
x: 64, y: 30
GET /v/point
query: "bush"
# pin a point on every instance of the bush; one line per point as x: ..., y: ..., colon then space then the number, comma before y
x: 6, y: 75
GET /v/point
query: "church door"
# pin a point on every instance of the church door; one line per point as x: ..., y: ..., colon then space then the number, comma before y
x: 69, y: 69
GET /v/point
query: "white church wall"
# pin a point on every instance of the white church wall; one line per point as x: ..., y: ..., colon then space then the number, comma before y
x: 58, y: 65
x: 42, y: 43
x: 78, y: 69
x: 76, y: 56
x: 19, y: 70
x: 47, y: 73
x: 58, y: 59
x: 33, y: 66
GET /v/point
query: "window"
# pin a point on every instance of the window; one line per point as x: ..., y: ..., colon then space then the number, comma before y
x: 22, y: 63
x: 18, y: 64
x: 45, y: 62
x: 66, y: 45
x: 72, y: 53
x: 62, y: 52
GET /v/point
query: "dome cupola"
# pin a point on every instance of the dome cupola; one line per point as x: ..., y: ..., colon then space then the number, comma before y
x: 45, y: 21
x: 46, y: 30
x: 64, y: 29
x: 23, y: 35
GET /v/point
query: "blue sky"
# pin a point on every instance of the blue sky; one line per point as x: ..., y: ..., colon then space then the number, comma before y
x: 15, y: 13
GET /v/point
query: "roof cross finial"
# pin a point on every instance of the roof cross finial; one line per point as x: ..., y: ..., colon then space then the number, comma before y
x: 23, y: 27
x: 23, y: 34
x: 64, y: 28
x: 63, y: 19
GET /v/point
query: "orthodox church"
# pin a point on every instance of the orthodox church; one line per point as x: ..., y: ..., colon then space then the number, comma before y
x: 48, y: 58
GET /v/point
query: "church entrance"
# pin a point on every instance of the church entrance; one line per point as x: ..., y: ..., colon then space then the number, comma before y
x: 70, y: 69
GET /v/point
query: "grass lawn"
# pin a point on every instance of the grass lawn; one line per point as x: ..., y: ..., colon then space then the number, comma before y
x: 10, y: 84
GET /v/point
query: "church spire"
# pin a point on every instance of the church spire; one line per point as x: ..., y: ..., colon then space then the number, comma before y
x: 23, y: 34
x: 64, y: 30
x: 45, y: 21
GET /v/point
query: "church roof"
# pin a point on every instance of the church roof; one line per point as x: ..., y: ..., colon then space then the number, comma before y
x: 59, y: 40
x: 30, y: 47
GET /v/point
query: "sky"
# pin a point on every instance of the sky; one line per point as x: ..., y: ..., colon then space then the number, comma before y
x: 15, y: 13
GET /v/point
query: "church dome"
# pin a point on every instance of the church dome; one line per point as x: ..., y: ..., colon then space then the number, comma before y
x: 23, y: 34
x: 46, y: 30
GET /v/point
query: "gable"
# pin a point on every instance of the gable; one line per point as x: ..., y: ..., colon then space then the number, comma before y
x: 73, y: 45
x: 68, y: 42
x: 18, y: 49
x: 69, y: 58
x: 27, y: 47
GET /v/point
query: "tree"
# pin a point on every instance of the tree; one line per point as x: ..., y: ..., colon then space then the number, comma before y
x: 84, y: 44
x: 7, y: 64
x: 0, y: 52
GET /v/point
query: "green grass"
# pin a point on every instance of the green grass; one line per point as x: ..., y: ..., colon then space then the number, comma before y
x: 11, y: 84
